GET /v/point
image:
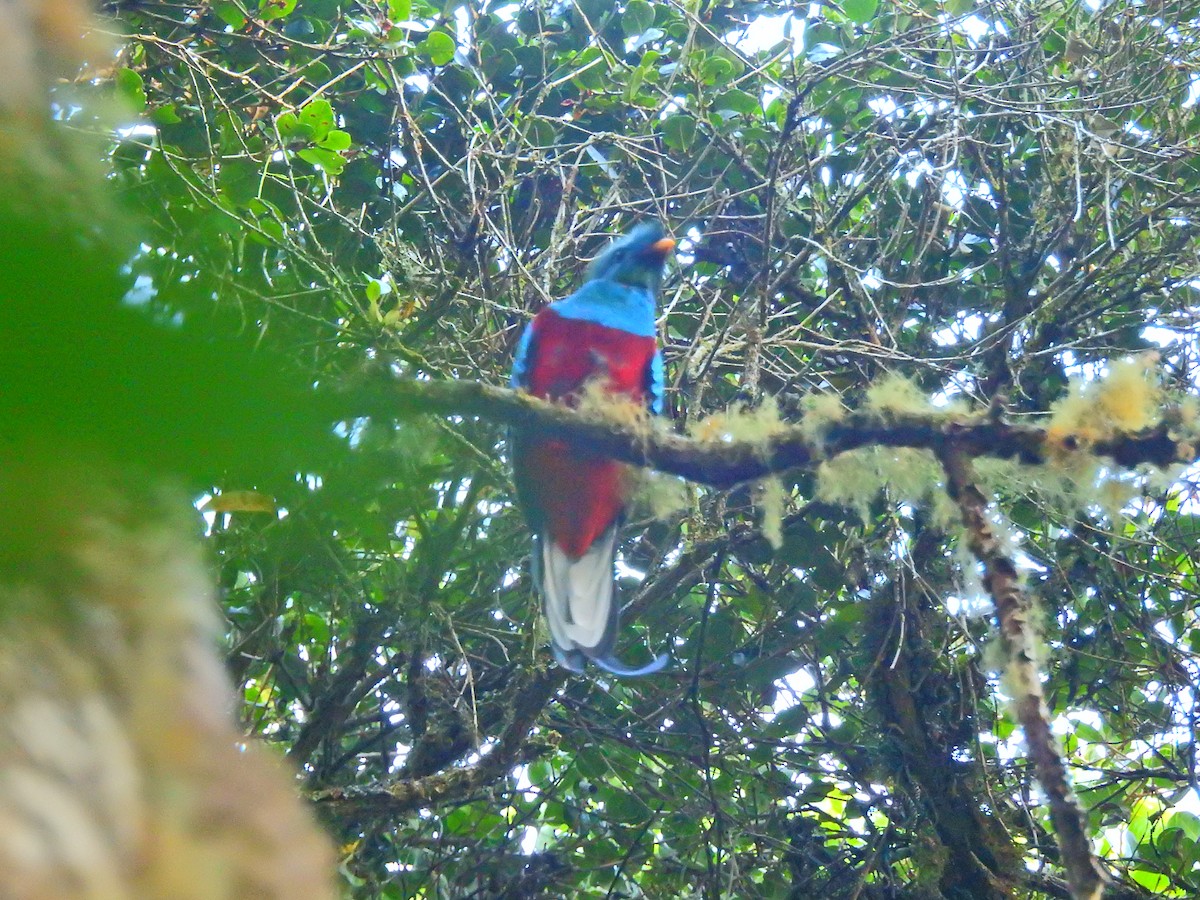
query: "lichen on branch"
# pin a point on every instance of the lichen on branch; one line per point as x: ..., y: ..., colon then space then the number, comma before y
x: 1174, y: 438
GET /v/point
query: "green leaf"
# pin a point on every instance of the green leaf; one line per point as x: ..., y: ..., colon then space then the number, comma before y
x: 378, y: 288
x: 438, y: 47
x: 716, y: 69
x: 299, y: 28
x: 621, y: 805
x: 132, y: 88
x: 289, y: 126
x: 1188, y: 822
x: 959, y: 7
x: 638, y: 16
x: 591, y: 71
x: 327, y: 160
x: 275, y: 9
x: 635, y: 83
x: 823, y: 32
x: 267, y: 217
x: 230, y: 13
x: 317, y: 627
x: 229, y: 132
x: 860, y: 11
x: 542, y: 133
x: 1054, y: 44
x: 499, y: 64
x: 239, y: 180
x: 336, y: 140
x: 1155, y: 882
x: 165, y: 115
x: 739, y: 102
x: 399, y: 10
x: 679, y: 131
x: 317, y: 115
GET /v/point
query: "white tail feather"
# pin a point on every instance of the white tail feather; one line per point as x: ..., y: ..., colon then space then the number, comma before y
x: 578, y: 594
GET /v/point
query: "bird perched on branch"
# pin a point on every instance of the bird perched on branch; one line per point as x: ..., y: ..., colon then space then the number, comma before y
x: 602, y: 335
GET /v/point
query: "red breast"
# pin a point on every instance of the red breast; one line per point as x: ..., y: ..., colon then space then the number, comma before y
x: 578, y: 493
x: 570, y: 351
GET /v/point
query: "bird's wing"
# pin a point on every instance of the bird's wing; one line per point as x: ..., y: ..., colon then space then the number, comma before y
x: 522, y: 478
x: 521, y: 359
x: 656, y: 383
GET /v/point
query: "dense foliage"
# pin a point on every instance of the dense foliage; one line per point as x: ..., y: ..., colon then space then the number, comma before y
x: 985, y: 198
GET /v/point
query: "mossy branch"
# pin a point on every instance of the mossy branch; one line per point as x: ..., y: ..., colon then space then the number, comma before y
x: 726, y: 463
x: 1015, y: 614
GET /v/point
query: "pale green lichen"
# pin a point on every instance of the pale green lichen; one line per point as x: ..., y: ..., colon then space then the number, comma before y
x: 821, y: 412
x: 1068, y: 484
x: 995, y: 655
x: 753, y: 424
x: 973, y: 597
x: 597, y: 400
x: 895, y: 394
x: 1018, y: 677
x: 855, y: 478
x: 1189, y: 414
x: 662, y: 495
x: 1008, y: 537
x: 1126, y: 400
x: 1165, y: 479
x: 1115, y: 493
x: 1025, y: 659
x: 1019, y: 653
x: 1185, y: 429
x: 772, y: 499
x: 851, y: 480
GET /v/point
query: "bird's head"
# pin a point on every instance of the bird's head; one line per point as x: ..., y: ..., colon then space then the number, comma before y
x: 636, y: 259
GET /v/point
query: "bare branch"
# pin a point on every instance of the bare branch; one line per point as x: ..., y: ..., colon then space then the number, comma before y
x: 404, y: 796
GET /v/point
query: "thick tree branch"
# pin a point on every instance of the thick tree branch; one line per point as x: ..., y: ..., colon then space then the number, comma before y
x: 723, y: 464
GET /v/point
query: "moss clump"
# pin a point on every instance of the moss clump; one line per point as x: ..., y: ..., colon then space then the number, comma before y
x: 1127, y: 399
x: 661, y: 495
x: 895, y: 394
x: 754, y: 425
x: 821, y: 412
x: 772, y: 499
x: 597, y: 400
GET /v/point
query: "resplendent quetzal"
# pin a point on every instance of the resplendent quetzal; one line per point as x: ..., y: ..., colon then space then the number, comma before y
x: 574, y: 500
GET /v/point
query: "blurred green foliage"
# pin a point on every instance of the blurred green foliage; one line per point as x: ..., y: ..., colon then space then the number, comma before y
x: 321, y: 190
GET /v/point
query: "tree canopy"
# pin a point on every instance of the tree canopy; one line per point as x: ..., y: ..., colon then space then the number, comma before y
x: 975, y: 219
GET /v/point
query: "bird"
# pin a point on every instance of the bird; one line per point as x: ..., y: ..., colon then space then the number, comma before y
x: 574, y: 500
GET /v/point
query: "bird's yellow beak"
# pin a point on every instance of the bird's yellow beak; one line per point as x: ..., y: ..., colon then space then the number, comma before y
x: 663, y: 246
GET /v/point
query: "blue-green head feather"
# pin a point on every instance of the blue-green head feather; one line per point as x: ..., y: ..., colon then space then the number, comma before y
x: 636, y: 259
